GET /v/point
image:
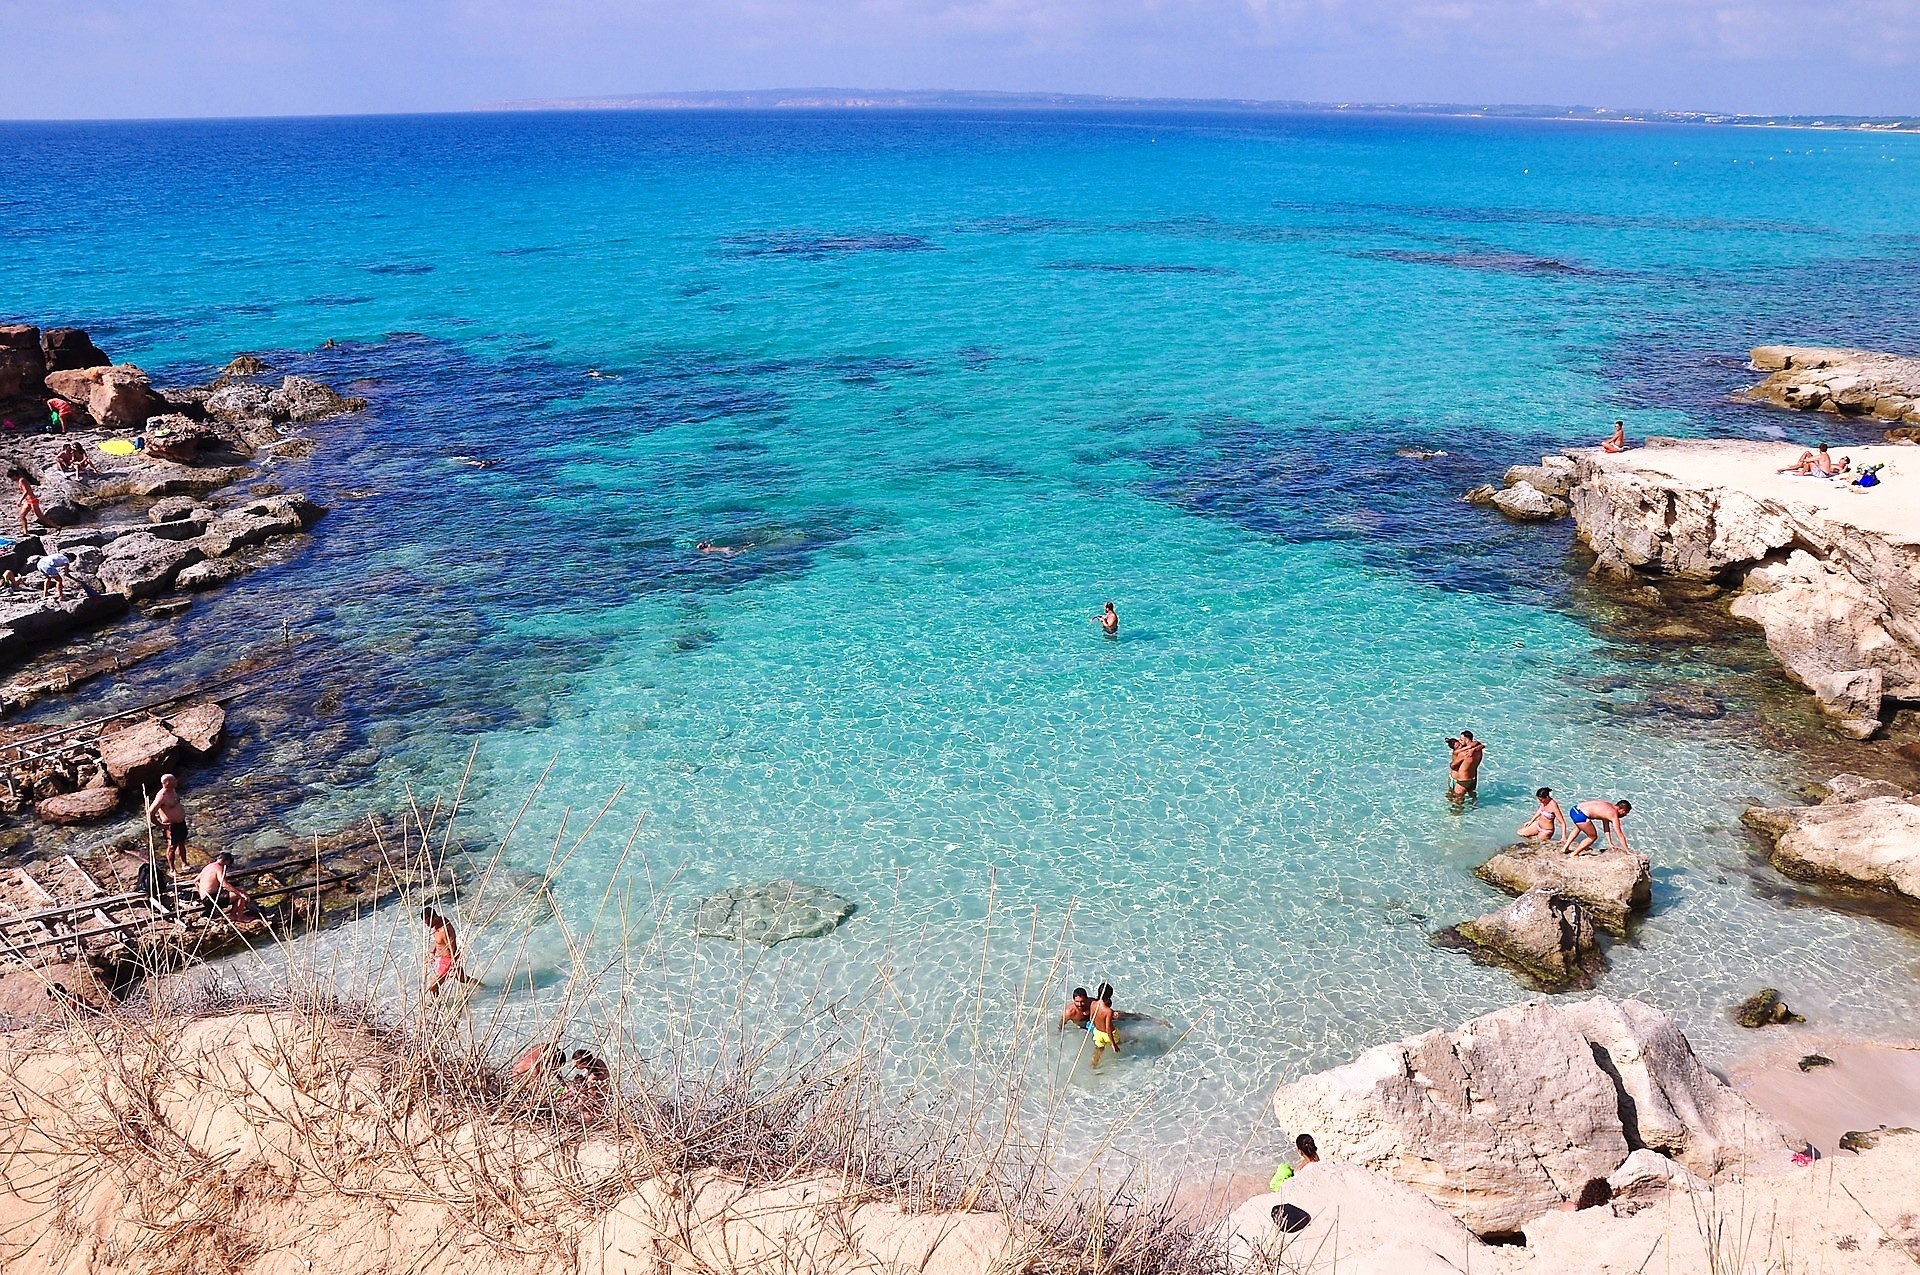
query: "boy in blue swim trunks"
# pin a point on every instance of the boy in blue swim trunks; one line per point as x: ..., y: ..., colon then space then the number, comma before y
x: 1586, y: 819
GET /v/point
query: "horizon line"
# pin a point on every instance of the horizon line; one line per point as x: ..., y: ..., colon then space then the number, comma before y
x: 853, y: 100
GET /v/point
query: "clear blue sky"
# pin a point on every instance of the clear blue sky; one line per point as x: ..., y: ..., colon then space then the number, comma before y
x: 121, y: 58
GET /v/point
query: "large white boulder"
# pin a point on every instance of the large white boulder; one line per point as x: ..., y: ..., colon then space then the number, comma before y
x: 1511, y: 1114
x: 1873, y: 842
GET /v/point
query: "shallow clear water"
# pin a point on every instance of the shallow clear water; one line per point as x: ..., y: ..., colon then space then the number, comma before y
x: 957, y: 380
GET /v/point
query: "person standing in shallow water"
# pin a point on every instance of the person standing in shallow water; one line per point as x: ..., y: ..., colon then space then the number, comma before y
x: 1464, y: 767
x: 1109, y: 621
x: 1105, y: 1024
x: 443, y: 952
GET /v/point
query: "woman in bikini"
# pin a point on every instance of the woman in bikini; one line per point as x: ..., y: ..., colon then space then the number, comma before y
x: 1546, y: 820
x: 29, y: 499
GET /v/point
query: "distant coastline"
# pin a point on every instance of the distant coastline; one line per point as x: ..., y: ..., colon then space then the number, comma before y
x: 829, y: 99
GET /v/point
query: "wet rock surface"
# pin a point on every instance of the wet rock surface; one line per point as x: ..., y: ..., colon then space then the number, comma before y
x: 1870, y: 840
x: 1613, y: 885
x: 771, y: 913
x: 1545, y: 938
x: 1765, y: 1008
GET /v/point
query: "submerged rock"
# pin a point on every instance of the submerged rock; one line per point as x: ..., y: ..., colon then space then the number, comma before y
x: 1505, y: 1118
x: 1545, y: 937
x: 1613, y: 884
x: 302, y: 399
x: 1765, y: 1008
x: 771, y: 913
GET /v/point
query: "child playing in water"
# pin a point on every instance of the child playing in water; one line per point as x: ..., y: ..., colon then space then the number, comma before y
x: 1105, y: 1025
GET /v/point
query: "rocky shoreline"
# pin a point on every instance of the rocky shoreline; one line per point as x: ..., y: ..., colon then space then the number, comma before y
x: 171, y: 499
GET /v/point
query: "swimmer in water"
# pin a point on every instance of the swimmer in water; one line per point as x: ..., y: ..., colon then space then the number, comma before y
x: 1079, y: 1010
x: 443, y: 951
x: 1109, y: 621
x: 725, y: 551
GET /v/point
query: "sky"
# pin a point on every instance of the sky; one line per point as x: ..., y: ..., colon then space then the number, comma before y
x: 141, y: 58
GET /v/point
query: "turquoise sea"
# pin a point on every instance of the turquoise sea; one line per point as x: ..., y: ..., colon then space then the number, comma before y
x: 951, y: 381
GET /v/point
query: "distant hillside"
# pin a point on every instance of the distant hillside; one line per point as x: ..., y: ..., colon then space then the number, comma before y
x: 970, y: 100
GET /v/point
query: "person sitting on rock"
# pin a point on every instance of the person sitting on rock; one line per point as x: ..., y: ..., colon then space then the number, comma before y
x: 1617, y: 441
x: 1585, y: 820
x: 1546, y: 820
x: 214, y: 887
x: 1814, y: 462
x: 1309, y: 1154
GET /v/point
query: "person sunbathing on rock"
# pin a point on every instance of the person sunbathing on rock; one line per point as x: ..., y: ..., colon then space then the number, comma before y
x: 1546, y: 820
x: 1585, y: 820
x: 1814, y: 462
x: 1617, y: 441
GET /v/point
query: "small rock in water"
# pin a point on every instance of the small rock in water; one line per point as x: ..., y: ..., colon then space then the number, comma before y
x: 771, y: 913
x: 1686, y: 701
x: 1764, y: 1009
x: 1815, y: 1060
x: 1481, y: 495
x: 245, y: 365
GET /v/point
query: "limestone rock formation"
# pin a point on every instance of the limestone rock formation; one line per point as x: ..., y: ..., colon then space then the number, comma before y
x: 256, y: 521
x: 143, y: 564
x: 1503, y: 1119
x: 239, y: 401
x: 1831, y: 572
x: 1528, y: 503
x: 1847, y: 787
x: 88, y: 805
x: 23, y: 367
x: 210, y: 574
x: 137, y: 752
x: 200, y: 727
x: 1372, y: 1222
x: 771, y: 913
x: 66, y: 349
x: 1613, y: 885
x: 303, y: 399
x: 1850, y: 382
x: 1545, y: 937
x: 118, y: 396
x: 1873, y: 842
x: 1765, y: 1008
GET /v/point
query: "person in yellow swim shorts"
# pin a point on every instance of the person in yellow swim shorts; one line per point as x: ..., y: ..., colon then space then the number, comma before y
x: 1106, y: 1025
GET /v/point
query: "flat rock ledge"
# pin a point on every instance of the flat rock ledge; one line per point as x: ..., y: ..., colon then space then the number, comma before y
x: 771, y: 913
x: 1612, y: 885
x: 1502, y: 1120
x: 1830, y: 572
x: 1545, y: 938
x: 1849, y: 382
x: 1872, y: 840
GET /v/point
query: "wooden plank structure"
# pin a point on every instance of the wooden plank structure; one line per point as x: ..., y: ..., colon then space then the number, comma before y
x: 60, y: 912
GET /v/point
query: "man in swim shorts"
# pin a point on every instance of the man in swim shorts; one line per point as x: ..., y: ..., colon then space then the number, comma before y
x: 1464, y: 767
x: 215, y: 889
x: 167, y: 811
x: 1105, y: 1025
x: 1813, y: 462
x: 1585, y: 820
